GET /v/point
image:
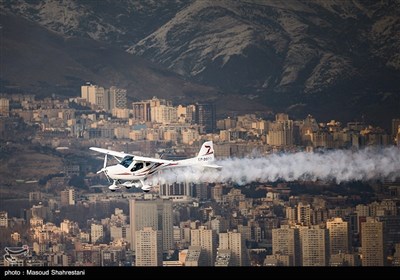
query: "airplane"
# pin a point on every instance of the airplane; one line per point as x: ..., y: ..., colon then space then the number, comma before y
x: 134, y: 170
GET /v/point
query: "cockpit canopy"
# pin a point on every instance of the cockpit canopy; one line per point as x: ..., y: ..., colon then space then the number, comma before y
x: 126, y: 161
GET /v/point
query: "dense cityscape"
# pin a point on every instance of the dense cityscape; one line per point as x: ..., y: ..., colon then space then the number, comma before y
x: 66, y: 215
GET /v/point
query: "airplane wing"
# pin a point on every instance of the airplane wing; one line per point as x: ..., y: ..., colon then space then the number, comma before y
x: 149, y: 159
x: 109, y: 152
x: 137, y: 158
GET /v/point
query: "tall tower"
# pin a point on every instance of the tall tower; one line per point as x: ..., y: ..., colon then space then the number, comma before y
x: 205, y: 116
x: 285, y: 240
x: 338, y: 236
x: 85, y: 91
x: 141, y: 111
x: 194, y: 256
x: 148, y: 247
x: 395, y: 127
x: 184, y: 188
x: 117, y: 98
x: 156, y: 214
x: 102, y: 98
x: 314, y: 246
x: 304, y: 214
x: 207, y: 240
x: 4, y: 219
x: 4, y: 107
x: 216, y: 193
x: 372, y: 242
x: 280, y: 132
x: 68, y: 197
x: 88, y: 92
x: 96, y: 233
x: 234, y: 242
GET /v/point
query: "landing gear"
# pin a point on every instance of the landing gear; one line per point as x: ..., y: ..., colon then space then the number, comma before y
x: 146, y: 188
x: 127, y: 185
x: 114, y: 186
x: 117, y: 184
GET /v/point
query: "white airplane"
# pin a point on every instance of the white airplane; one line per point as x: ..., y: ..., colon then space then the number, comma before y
x: 134, y: 170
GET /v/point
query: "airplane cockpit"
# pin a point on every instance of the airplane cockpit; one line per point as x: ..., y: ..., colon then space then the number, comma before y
x: 138, y: 165
x: 126, y: 161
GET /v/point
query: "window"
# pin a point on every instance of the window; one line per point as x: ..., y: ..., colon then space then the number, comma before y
x: 137, y: 166
x: 126, y: 161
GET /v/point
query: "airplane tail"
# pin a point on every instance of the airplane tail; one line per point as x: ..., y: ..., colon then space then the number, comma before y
x: 206, y: 153
x: 204, y: 158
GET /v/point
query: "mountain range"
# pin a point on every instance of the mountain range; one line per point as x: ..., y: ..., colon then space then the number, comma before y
x: 335, y: 59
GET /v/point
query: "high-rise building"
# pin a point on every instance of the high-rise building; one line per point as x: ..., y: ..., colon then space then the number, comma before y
x: 338, y: 236
x: 234, y: 242
x: 158, y: 110
x: 190, y: 113
x: 102, y: 98
x: 88, y: 92
x: 148, y: 247
x: 285, y: 241
x: 156, y: 214
x: 96, y: 233
x: 4, y: 107
x: 141, y: 111
x: 164, y: 114
x: 185, y: 188
x: 216, y: 193
x: 391, y: 230
x: 395, y: 127
x: 117, y: 98
x: 280, y: 132
x: 68, y: 197
x: 207, y: 240
x: 96, y: 95
x: 205, y: 116
x: 304, y: 214
x: 223, y: 258
x: 112, y: 256
x: 372, y: 242
x: 219, y: 224
x: 4, y: 219
x: 120, y: 232
x: 202, y: 191
x: 314, y: 246
x: 194, y: 256
x: 291, y: 214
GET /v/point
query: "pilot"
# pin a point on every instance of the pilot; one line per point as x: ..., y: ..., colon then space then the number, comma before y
x: 137, y: 166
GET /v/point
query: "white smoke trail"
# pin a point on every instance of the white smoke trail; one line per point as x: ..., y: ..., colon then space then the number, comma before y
x: 335, y: 166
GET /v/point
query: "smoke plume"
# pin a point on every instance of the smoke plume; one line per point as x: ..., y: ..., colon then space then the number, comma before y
x: 334, y: 166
